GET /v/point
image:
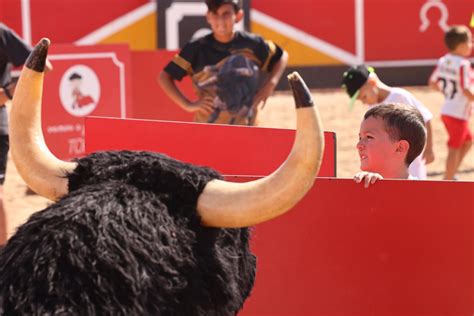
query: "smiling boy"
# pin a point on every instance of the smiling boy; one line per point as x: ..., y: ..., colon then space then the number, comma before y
x: 209, y: 61
x: 362, y: 83
x: 391, y: 136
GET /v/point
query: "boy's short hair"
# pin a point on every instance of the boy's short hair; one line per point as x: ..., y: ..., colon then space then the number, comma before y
x: 456, y: 35
x: 402, y: 122
x: 214, y: 5
x: 354, y: 78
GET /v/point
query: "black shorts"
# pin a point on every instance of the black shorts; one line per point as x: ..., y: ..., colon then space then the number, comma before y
x: 4, y: 146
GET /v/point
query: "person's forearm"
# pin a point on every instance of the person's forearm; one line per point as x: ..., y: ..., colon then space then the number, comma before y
x: 6, y: 95
x: 169, y: 87
x: 3, y: 97
x: 469, y: 95
x: 429, y: 136
x: 278, y: 69
x: 433, y: 85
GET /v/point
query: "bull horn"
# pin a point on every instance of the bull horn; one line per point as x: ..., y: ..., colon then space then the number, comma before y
x: 227, y: 204
x: 41, y: 170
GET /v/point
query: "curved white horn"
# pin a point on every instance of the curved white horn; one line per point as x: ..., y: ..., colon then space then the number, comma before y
x: 227, y: 204
x: 40, y: 169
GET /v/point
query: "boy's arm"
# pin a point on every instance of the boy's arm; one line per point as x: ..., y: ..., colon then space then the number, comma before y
x: 4, y: 95
x: 272, y: 80
x: 7, y: 92
x: 428, y: 153
x: 466, y: 86
x: 468, y: 94
x: 434, y: 85
x: 168, y: 85
x: 433, y: 80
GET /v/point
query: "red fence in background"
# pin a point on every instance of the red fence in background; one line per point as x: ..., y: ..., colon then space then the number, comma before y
x: 104, y: 80
x: 233, y: 150
x: 367, y: 25
x: 368, y: 28
x: 149, y: 100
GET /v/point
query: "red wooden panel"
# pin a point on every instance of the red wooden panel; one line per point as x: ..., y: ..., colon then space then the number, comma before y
x: 149, y: 100
x: 405, y: 41
x: 233, y: 150
x: 399, y: 248
x: 105, y: 84
x: 321, y: 19
x: 74, y: 19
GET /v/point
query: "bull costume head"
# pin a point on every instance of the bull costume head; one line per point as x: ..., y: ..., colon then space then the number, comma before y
x: 139, y: 233
x: 237, y: 82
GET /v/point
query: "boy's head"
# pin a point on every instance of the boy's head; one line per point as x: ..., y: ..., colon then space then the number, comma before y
x: 391, y: 135
x: 222, y: 15
x: 458, y: 40
x: 360, y: 83
x: 214, y: 5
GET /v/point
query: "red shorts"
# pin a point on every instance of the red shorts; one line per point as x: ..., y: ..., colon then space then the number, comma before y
x: 458, y: 131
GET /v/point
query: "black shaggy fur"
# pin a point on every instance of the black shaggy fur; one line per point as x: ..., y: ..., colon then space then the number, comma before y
x: 126, y: 240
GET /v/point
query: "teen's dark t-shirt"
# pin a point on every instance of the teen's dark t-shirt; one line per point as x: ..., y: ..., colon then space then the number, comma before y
x: 203, y: 58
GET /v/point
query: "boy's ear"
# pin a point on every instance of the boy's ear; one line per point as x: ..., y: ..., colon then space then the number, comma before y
x: 372, y: 81
x: 239, y: 15
x: 402, y: 147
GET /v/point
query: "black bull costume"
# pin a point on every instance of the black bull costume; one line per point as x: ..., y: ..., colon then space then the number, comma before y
x: 139, y: 233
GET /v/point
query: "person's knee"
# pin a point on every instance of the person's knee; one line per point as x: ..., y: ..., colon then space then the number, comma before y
x: 452, y: 151
x: 467, y: 145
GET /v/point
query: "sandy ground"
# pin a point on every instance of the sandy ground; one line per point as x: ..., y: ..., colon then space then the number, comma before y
x: 279, y: 112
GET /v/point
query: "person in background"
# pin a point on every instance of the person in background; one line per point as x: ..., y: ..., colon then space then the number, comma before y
x: 13, y: 53
x: 452, y: 77
x: 226, y: 67
x: 391, y: 136
x: 361, y: 83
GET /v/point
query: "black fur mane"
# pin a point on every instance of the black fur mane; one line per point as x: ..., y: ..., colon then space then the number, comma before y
x: 126, y: 240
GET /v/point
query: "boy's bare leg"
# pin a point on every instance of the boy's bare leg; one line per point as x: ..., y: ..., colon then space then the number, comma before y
x: 462, y: 152
x: 452, y: 163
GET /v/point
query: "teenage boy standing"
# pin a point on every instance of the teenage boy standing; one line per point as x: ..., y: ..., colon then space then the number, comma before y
x: 224, y: 67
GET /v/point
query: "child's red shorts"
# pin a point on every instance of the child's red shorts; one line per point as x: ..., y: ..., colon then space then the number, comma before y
x: 458, y: 131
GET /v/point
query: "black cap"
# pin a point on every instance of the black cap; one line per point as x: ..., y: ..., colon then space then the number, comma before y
x: 355, y: 77
x: 213, y: 5
x: 75, y: 76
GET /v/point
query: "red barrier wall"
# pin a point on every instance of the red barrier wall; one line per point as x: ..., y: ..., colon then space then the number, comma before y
x: 233, y: 150
x: 149, y: 100
x: 399, y: 248
x: 381, y: 39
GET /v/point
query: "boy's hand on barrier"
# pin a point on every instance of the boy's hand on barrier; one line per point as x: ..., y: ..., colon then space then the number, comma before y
x: 368, y: 178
